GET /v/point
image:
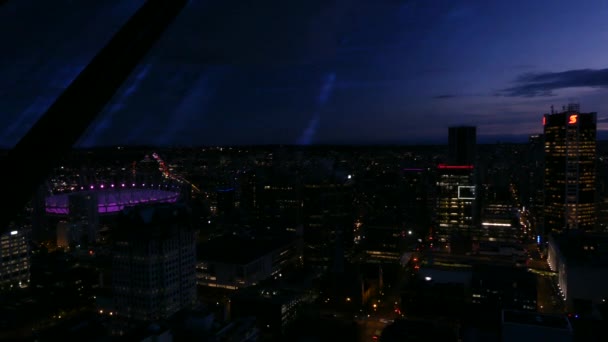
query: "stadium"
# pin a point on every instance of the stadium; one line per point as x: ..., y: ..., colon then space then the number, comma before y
x: 112, y: 198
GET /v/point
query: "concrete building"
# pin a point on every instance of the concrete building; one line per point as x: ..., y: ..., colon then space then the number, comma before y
x: 462, y: 141
x: 581, y: 261
x: 84, y: 214
x: 275, y: 309
x: 153, y: 264
x: 233, y: 262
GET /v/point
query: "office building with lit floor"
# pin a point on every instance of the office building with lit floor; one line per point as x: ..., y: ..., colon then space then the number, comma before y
x: 14, y: 259
x: 232, y: 262
x: 456, y: 190
x: 570, y: 170
x: 455, y: 201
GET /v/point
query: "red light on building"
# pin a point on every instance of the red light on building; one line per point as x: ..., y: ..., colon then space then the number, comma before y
x: 544, y: 120
x: 573, y: 119
x: 455, y: 167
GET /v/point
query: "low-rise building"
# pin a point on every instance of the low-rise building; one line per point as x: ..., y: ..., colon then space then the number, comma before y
x: 233, y: 262
x: 581, y: 261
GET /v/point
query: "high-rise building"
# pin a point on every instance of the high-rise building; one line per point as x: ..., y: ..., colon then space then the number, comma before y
x: 455, y: 201
x: 40, y: 224
x: 456, y: 188
x: 462, y: 142
x: 531, y: 191
x: 570, y: 170
x: 154, y: 266
x: 226, y: 202
x: 14, y: 259
x: 84, y: 215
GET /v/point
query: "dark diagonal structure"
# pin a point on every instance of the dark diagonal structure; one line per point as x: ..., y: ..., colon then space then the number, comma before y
x: 31, y: 160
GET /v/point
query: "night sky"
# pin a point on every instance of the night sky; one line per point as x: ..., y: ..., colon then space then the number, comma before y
x: 314, y: 71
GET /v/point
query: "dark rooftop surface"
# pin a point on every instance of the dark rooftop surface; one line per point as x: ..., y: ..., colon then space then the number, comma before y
x: 533, y: 318
x: 239, y: 250
x: 584, y: 249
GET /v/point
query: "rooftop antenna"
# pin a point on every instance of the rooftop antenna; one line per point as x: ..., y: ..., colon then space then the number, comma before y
x: 573, y: 105
x: 552, y: 110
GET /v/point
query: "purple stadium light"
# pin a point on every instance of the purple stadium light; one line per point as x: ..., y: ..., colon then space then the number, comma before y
x: 92, y: 187
x: 113, y: 202
x: 101, y: 186
x: 133, y: 184
x: 123, y: 185
x: 112, y: 185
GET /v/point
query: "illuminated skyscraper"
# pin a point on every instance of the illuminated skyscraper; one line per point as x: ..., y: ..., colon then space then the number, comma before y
x: 456, y: 187
x: 570, y: 170
x: 14, y: 259
x: 455, y: 201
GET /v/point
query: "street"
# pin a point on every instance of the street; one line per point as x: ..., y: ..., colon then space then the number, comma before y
x: 548, y: 300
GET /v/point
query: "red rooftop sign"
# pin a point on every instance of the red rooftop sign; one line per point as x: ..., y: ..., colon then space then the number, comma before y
x: 455, y: 167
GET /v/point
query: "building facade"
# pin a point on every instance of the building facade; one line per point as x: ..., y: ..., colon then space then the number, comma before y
x: 581, y: 262
x: 455, y: 201
x: 153, y: 265
x: 570, y: 170
x: 249, y: 262
x: 14, y: 259
x: 462, y: 143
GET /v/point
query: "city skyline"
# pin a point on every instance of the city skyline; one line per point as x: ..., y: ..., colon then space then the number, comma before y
x: 346, y: 72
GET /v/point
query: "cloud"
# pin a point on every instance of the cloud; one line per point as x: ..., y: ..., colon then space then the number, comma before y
x: 544, y: 84
x: 444, y: 96
x: 453, y: 96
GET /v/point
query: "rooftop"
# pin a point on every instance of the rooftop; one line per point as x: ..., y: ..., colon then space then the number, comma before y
x: 589, y: 249
x: 240, y: 250
x: 536, y: 319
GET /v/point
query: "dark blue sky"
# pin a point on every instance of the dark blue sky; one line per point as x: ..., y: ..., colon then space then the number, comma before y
x: 314, y: 71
